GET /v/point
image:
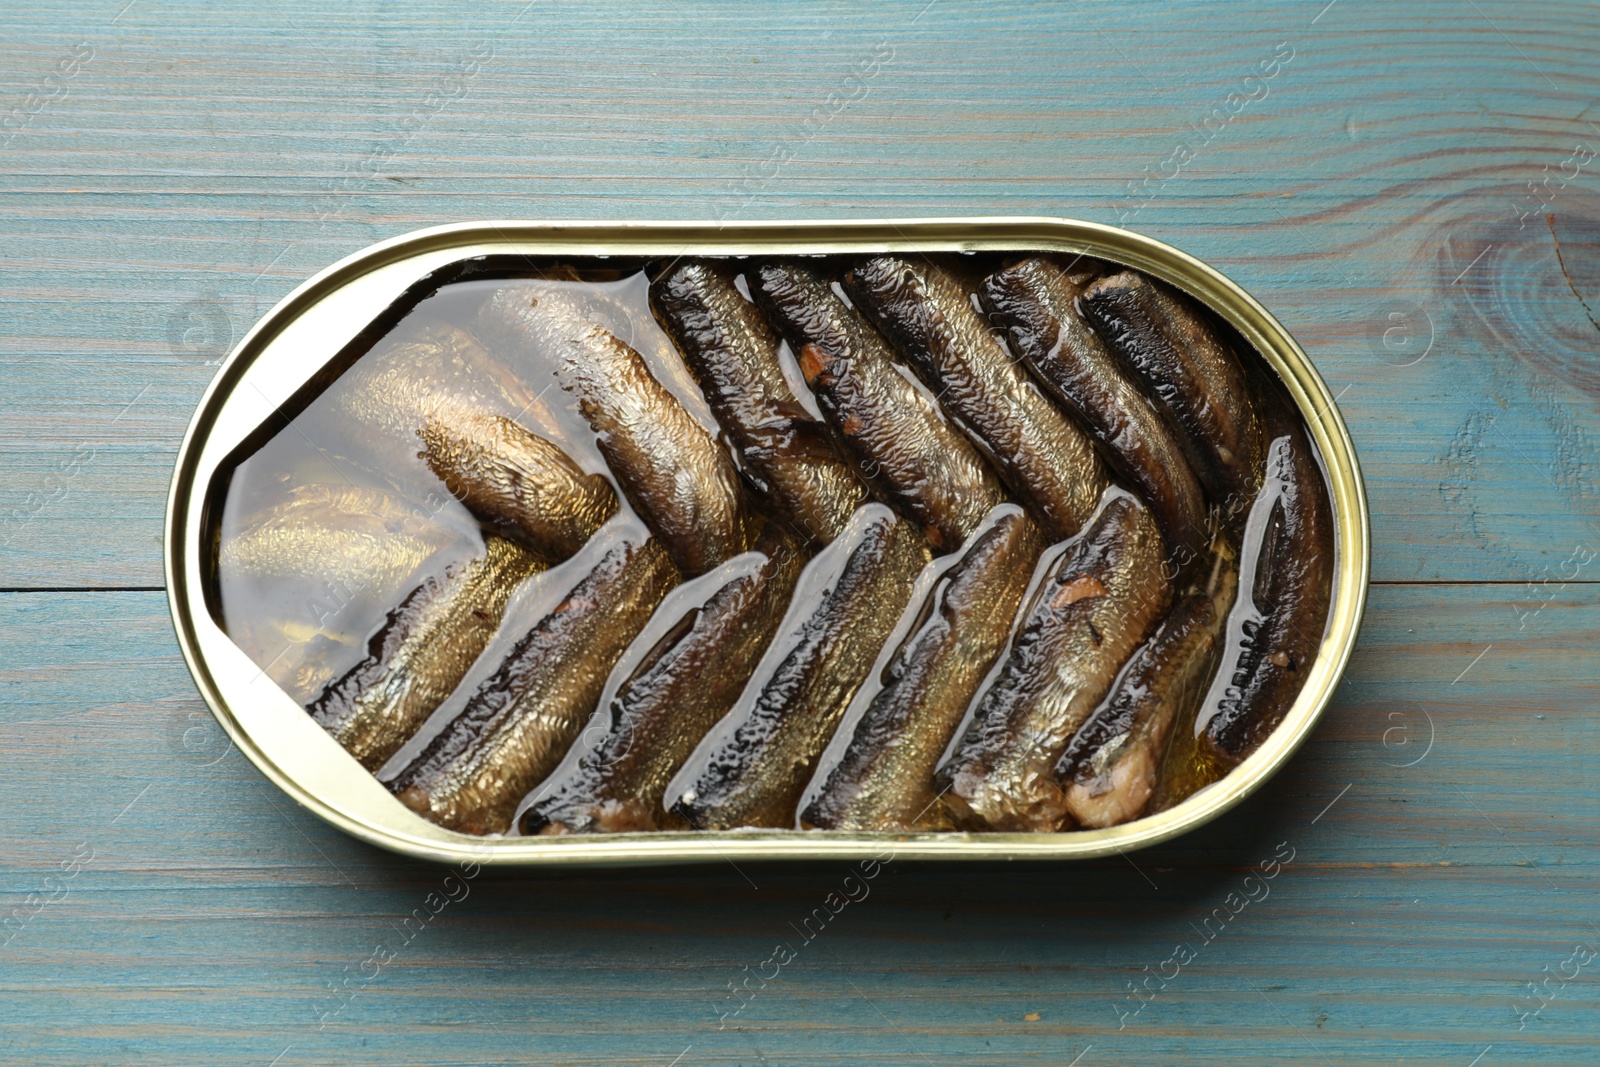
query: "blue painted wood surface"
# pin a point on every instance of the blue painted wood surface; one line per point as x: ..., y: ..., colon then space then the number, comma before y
x: 168, y: 171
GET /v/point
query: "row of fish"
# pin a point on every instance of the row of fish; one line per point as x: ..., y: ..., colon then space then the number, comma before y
x: 1052, y: 556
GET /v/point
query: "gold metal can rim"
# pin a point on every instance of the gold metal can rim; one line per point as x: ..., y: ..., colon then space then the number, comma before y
x: 310, y: 325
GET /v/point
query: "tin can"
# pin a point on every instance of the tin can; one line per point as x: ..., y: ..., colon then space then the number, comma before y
x: 308, y: 329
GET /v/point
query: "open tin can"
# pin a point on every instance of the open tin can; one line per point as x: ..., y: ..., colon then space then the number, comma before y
x: 306, y: 340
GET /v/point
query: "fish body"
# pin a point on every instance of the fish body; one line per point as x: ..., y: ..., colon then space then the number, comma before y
x: 893, y: 430
x: 437, y: 393
x: 518, y: 724
x: 1099, y: 599
x: 733, y: 355
x: 538, y: 323
x: 1112, y: 765
x: 685, y: 683
x: 1194, y: 375
x: 518, y: 482
x: 506, y: 476
x: 332, y: 534
x: 885, y: 779
x: 1046, y: 460
x: 289, y: 574
x: 1035, y: 301
x: 675, y: 475
x: 751, y: 770
x: 671, y: 470
x: 1289, y: 552
x: 421, y: 652
x: 436, y: 372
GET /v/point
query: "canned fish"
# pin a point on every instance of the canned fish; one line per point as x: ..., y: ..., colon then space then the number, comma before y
x: 646, y: 543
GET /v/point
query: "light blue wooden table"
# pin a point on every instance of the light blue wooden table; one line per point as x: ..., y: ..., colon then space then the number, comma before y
x: 1413, y: 192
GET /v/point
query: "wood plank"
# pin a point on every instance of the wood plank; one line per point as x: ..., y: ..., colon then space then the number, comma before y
x: 198, y: 166
x: 1419, y: 900
x: 202, y: 162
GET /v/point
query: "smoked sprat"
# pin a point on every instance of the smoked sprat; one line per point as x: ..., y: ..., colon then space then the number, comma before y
x: 893, y: 543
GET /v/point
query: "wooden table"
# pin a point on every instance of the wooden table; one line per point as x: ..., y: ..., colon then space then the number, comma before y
x: 1412, y: 191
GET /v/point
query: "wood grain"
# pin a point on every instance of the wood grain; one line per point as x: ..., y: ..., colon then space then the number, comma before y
x: 201, y: 162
